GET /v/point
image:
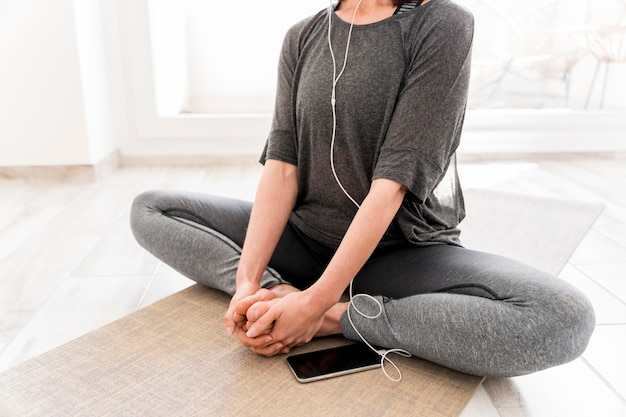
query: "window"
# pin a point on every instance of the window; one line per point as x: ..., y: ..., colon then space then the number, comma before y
x: 546, y: 55
x: 200, y: 75
x: 220, y: 57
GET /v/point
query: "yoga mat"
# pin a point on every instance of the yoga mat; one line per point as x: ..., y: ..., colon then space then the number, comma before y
x: 173, y: 358
x: 537, y: 231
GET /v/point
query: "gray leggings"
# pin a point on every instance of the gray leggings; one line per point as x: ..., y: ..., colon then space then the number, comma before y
x: 470, y: 311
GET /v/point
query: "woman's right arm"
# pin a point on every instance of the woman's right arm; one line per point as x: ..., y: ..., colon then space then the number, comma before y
x: 275, y: 198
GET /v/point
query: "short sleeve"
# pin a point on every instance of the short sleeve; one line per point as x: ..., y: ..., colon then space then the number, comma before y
x: 281, y: 141
x: 425, y: 128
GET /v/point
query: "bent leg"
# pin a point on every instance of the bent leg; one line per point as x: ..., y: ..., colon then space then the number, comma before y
x: 471, y: 311
x: 201, y: 237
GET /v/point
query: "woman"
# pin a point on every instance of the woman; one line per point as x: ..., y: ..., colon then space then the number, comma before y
x: 360, y: 185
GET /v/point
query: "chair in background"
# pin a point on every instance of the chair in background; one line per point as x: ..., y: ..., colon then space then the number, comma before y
x: 605, y: 39
x: 496, y: 41
x: 547, y: 51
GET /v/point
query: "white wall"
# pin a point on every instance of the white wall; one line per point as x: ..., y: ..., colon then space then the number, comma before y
x: 55, y: 106
x: 77, y: 81
x: 98, y: 84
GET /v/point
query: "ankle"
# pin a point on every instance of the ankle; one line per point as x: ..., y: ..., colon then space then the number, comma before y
x: 332, y: 320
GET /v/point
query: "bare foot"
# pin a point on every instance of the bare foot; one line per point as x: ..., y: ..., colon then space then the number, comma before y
x: 282, y: 290
x: 331, y: 323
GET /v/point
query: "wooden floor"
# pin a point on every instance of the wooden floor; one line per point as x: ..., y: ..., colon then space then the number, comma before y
x: 68, y: 265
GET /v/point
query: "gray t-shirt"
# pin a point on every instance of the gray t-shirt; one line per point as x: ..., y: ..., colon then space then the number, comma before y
x: 400, y: 107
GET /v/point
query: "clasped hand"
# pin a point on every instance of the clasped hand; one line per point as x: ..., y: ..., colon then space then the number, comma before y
x: 270, y: 325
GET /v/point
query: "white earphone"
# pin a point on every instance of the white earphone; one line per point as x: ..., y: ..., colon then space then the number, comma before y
x: 333, y: 97
x: 333, y: 100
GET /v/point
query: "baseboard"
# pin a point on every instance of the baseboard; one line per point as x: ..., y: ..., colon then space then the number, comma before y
x: 63, y: 173
x: 107, y: 165
x: 504, y: 157
x: 192, y: 160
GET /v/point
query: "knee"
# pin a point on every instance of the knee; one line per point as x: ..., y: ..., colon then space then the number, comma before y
x: 142, y: 207
x: 562, y: 330
x: 574, y: 322
x: 145, y: 199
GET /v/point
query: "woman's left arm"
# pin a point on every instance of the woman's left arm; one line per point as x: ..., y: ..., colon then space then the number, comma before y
x: 296, y: 318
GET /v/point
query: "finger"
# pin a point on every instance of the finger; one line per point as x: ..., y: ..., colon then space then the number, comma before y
x: 232, y: 320
x: 264, y: 294
x: 247, y: 325
x: 242, y: 306
x: 229, y: 322
x: 271, y: 350
x: 239, y: 319
x: 260, y: 342
x: 264, y: 324
x: 258, y: 309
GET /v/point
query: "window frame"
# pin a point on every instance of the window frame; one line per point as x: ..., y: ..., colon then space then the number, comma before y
x: 219, y: 134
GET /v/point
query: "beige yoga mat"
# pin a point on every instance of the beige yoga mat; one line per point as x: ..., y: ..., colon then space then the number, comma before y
x: 173, y: 358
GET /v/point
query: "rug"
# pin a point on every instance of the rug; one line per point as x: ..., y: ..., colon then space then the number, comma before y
x: 173, y: 357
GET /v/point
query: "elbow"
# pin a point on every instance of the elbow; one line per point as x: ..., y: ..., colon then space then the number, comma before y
x: 390, y: 192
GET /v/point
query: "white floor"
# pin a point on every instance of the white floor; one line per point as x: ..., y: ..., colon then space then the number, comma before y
x: 68, y: 265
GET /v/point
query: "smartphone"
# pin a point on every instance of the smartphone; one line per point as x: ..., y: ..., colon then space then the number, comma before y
x: 328, y: 363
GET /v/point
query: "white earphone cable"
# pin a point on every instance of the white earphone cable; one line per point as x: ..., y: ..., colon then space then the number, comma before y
x: 382, y: 352
x: 333, y: 98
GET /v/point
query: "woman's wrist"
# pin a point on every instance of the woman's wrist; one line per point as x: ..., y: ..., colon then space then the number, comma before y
x: 247, y: 281
x: 321, y: 297
x: 249, y: 273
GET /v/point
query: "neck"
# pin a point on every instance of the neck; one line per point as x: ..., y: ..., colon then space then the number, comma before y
x: 370, y: 11
x: 367, y: 3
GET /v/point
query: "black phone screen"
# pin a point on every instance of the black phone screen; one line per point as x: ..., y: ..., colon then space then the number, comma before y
x: 321, y: 364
